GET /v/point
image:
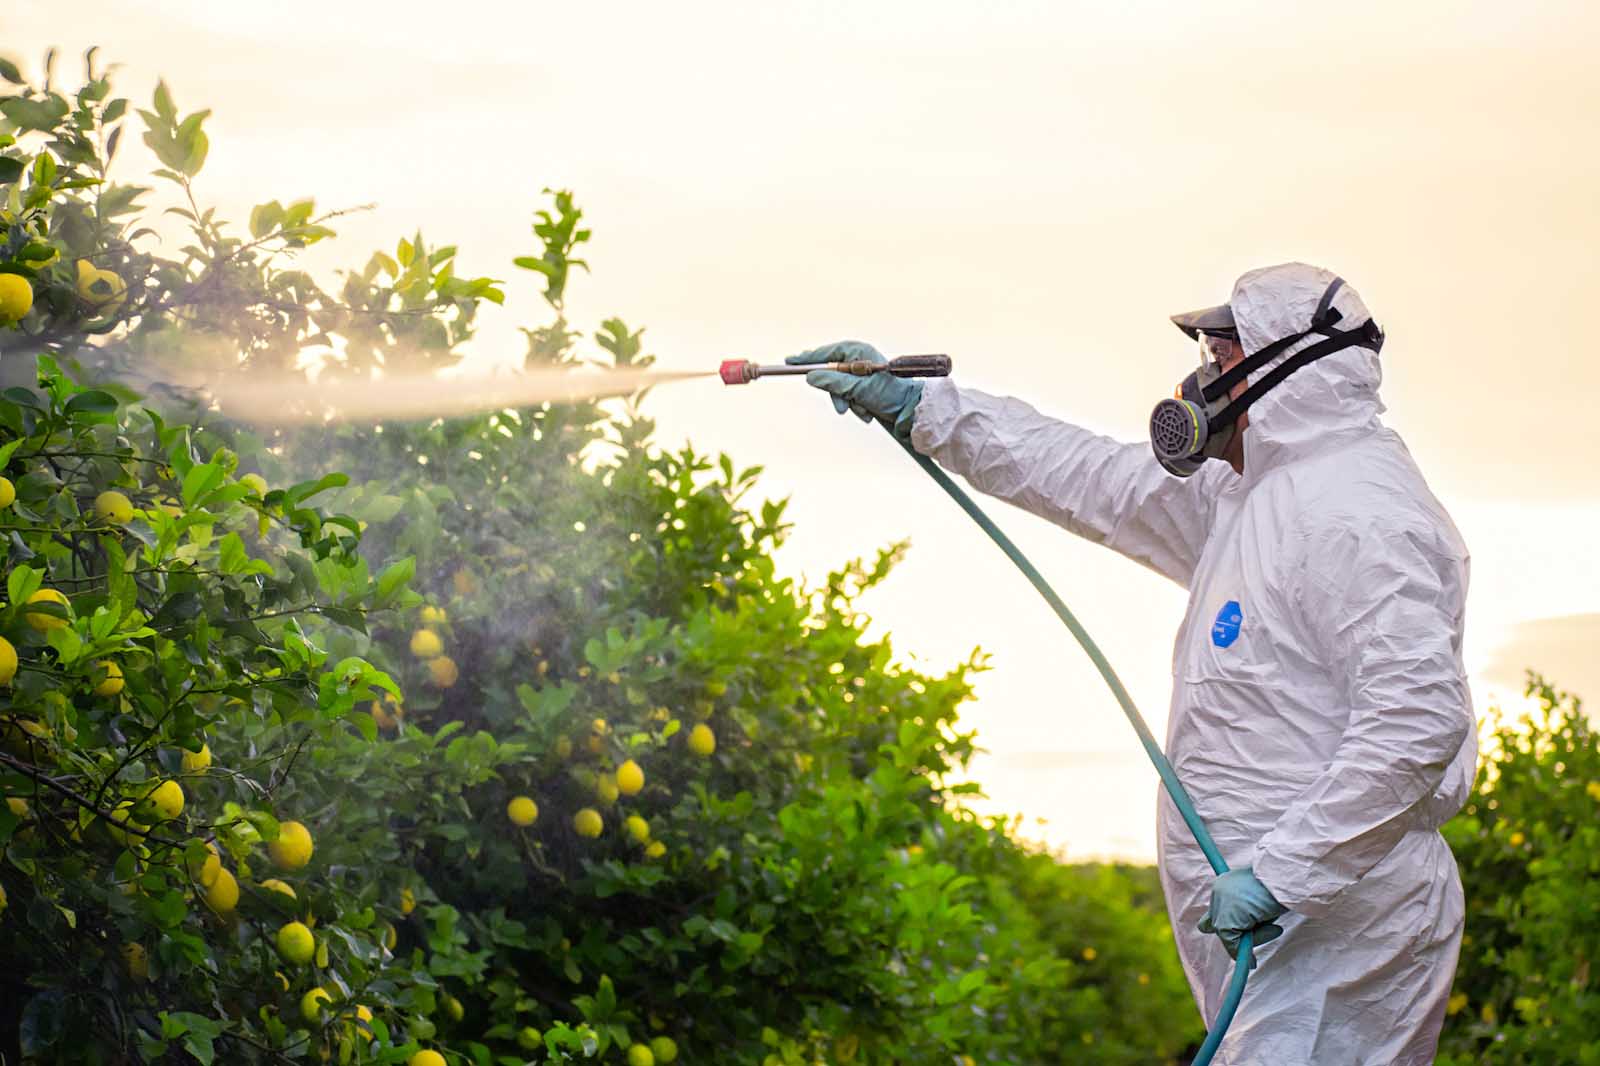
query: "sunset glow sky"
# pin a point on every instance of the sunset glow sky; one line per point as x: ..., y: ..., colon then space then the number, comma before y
x: 1030, y: 187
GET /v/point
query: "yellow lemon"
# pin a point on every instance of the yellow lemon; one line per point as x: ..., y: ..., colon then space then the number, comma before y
x: 16, y: 297
x: 102, y: 289
x: 522, y: 810
x: 563, y: 744
x: 255, y: 483
x: 296, y: 944
x: 426, y: 1058
x: 702, y: 741
x: 390, y: 937
x: 638, y: 829
x: 1517, y: 840
x: 17, y: 805
x: 1457, y: 1003
x: 223, y: 895
x: 433, y: 616
x: 605, y: 787
x: 425, y: 644
x: 600, y: 727
x: 630, y: 779
x: 111, y: 683
x: 311, y: 1004
x: 529, y: 1038
x: 41, y: 621
x: 641, y: 1055
x: 113, y: 507
x: 197, y: 762
x: 655, y: 850
x: 1593, y: 787
x: 664, y: 1049
x: 408, y: 901
x: 1089, y: 954
x: 588, y: 822
x: 8, y: 661
x: 164, y: 802
x: 137, y: 960
x: 464, y: 583
x: 292, y: 849
x: 274, y: 885
x: 8, y: 492
x: 122, y: 814
x: 205, y: 870
x: 443, y: 671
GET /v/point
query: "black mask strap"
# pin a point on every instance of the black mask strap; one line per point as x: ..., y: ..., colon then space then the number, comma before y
x: 1367, y: 335
x: 1323, y: 320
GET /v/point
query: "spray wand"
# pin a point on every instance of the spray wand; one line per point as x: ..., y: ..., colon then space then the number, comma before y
x: 742, y: 372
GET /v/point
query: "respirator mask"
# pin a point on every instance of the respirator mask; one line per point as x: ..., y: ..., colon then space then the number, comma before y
x: 1200, y: 421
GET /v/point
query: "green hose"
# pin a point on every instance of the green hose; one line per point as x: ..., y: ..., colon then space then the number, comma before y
x: 1169, y: 777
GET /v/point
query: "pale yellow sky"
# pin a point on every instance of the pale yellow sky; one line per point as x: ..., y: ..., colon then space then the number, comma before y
x: 1031, y: 187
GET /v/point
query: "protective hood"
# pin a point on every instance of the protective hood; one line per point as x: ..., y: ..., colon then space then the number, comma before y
x: 1318, y: 405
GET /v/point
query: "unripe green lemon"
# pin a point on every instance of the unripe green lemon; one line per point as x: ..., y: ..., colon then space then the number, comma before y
x: 664, y: 1048
x: 44, y: 622
x: 638, y: 829
x: 113, y: 507
x: 112, y: 682
x: 296, y: 944
x: 311, y: 1004
x: 588, y: 822
x: 292, y: 849
x: 630, y: 779
x: 605, y: 787
x: 8, y: 492
x: 640, y: 1055
x: 522, y: 810
x: 8, y: 661
x: 453, y: 1008
x: 256, y: 483
x: 529, y: 1038
x: 702, y: 741
x: 16, y: 297
x: 425, y: 644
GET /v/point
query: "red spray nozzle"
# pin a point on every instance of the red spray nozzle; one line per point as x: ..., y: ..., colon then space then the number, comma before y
x: 737, y: 371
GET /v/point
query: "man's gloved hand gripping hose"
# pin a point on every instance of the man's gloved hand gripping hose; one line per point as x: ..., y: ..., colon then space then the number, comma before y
x: 862, y: 381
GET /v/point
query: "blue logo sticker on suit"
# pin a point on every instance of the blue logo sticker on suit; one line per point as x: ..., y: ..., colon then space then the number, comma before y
x: 1225, y: 630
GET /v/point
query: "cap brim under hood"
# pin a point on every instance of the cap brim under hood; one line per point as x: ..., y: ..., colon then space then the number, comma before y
x: 1217, y: 319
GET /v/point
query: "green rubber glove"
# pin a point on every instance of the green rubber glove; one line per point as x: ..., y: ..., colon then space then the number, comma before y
x: 1239, y: 904
x: 890, y: 400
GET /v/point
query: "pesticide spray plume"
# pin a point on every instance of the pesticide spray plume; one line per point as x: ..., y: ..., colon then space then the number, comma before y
x: 292, y: 398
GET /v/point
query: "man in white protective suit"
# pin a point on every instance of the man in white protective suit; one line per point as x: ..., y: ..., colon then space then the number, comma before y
x: 1320, y: 713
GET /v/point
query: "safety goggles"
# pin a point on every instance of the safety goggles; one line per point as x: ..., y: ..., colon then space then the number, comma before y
x: 1216, y: 350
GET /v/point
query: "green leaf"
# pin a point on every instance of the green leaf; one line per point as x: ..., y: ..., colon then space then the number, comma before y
x: 23, y: 582
x: 93, y: 402
x: 9, y: 71
x: 10, y: 169
x: 394, y: 577
x: 201, y: 480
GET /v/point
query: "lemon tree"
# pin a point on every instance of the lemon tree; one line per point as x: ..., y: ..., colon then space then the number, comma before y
x: 517, y: 747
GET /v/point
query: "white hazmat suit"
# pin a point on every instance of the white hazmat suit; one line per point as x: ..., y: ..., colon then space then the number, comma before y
x: 1320, y: 713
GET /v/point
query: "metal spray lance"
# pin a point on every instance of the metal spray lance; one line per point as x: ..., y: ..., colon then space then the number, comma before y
x: 743, y: 372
